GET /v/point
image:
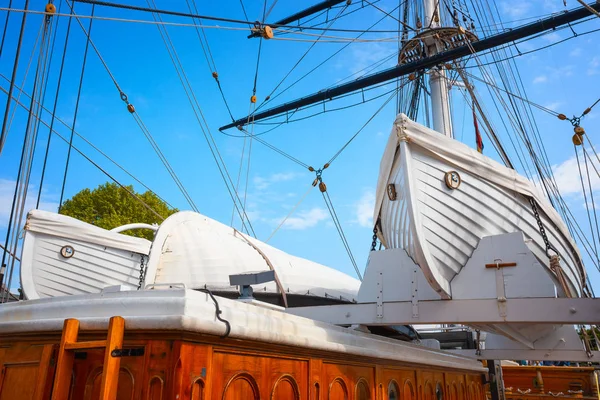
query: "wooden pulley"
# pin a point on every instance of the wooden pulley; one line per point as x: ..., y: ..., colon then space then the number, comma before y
x: 579, y: 130
x: 267, y: 32
x: 577, y: 140
x: 50, y: 8
x: 322, y: 187
x: 130, y: 108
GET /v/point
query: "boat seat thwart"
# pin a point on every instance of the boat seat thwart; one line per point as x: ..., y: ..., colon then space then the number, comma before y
x: 66, y: 358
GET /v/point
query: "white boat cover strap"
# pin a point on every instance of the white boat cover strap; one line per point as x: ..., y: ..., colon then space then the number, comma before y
x: 71, y: 228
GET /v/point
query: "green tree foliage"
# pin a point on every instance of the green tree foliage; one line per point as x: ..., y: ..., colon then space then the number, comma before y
x: 109, y: 206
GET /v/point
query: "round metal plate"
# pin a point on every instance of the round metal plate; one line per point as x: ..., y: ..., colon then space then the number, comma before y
x: 67, y: 251
x: 452, y: 179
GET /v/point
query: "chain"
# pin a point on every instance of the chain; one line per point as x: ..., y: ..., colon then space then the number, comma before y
x: 541, y: 227
x: 374, y: 243
x: 142, y: 271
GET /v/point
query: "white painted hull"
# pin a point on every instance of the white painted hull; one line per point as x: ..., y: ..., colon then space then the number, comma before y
x: 440, y: 227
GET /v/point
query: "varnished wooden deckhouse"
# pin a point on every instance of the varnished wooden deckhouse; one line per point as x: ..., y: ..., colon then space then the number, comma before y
x: 173, y: 344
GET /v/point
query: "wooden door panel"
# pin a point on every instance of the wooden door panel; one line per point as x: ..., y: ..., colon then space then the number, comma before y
x: 269, y: 377
x: 25, y: 372
x: 19, y: 381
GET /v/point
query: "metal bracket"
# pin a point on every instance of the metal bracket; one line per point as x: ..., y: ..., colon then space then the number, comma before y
x: 415, y: 295
x: 380, y: 295
x: 134, y: 352
x: 500, y: 292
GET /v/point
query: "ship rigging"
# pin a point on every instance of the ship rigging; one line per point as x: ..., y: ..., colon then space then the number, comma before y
x: 445, y: 53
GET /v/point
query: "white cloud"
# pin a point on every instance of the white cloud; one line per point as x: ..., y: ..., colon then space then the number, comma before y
x: 576, y: 52
x: 263, y: 183
x: 516, y: 9
x: 540, y: 79
x: 7, y: 188
x: 561, y: 72
x: 552, y: 37
x: 567, y: 176
x: 364, y: 55
x: 554, y: 106
x: 364, y: 209
x: 306, y: 219
x: 594, y: 68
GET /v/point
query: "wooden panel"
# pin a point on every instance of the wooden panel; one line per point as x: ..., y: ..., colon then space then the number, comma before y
x: 473, y: 391
x: 431, y: 385
x: 338, y: 390
x: 285, y: 388
x: 18, y: 381
x: 409, y: 390
x: 155, y: 388
x: 25, y: 367
x: 125, y: 388
x: 555, y: 379
x: 197, y: 390
x: 156, y: 365
x: 87, y: 370
x: 241, y: 387
x: 315, y: 367
x: 263, y: 370
x: 362, y: 391
x: 398, y: 381
x: 316, y: 391
x: 192, y: 371
x: 349, y: 375
x: 454, y: 384
x: 393, y: 390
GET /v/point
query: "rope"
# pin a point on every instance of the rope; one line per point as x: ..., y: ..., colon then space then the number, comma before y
x: 5, y: 27
x: 590, y: 9
x: 85, y: 53
x: 306, y: 52
x: 336, y: 155
x: 237, y: 183
x: 338, y: 226
x: 53, y: 113
x: 369, y: 29
x: 27, y: 153
x: 14, y: 200
x: 209, y: 57
x: 587, y: 171
x: 92, y: 145
x: 324, y: 110
x: 277, y: 150
x: 14, y: 75
x: 247, y: 173
x: 536, y: 105
x: 27, y: 70
x: 289, y: 214
x: 203, y: 124
x: 265, y: 16
x: 245, y: 14
x: 281, y: 31
x: 139, y: 121
x: 211, y: 18
x: 585, y: 199
x: 391, y: 16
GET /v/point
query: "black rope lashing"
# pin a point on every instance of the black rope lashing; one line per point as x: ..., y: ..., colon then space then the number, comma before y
x: 218, y: 313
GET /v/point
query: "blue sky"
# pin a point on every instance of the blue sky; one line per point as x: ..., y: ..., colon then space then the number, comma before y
x: 563, y: 77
